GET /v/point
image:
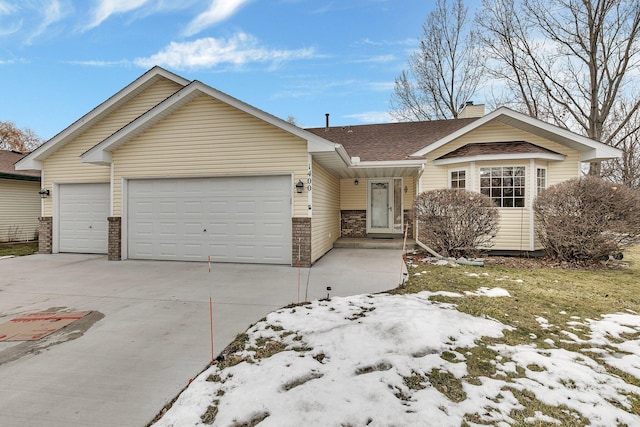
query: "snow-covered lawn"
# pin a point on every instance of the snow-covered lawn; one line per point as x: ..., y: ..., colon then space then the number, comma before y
x: 404, y: 360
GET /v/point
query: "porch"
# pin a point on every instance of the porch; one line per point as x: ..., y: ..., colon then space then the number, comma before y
x: 373, y: 242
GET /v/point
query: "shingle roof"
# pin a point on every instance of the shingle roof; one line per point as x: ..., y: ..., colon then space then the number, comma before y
x: 496, y: 148
x: 389, y: 141
x: 7, y: 161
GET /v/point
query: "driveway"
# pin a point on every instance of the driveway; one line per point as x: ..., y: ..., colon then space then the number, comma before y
x: 148, y: 332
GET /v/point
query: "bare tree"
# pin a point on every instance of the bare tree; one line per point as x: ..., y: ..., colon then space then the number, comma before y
x: 22, y: 140
x: 626, y: 170
x: 569, y: 61
x: 445, y: 72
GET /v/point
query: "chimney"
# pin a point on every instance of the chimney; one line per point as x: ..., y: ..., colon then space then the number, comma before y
x: 326, y: 115
x: 469, y: 110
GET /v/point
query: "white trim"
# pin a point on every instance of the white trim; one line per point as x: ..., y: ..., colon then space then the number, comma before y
x: 124, y: 219
x: 34, y: 159
x: 55, y: 221
x: 472, y: 167
x: 500, y: 157
x: 533, y: 174
x: 466, y: 179
x: 111, y: 178
x: 388, y: 164
x: 588, y: 148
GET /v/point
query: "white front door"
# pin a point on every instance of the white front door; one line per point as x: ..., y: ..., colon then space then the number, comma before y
x: 384, y: 210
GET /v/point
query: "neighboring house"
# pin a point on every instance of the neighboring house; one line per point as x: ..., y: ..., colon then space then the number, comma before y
x: 19, y: 200
x: 172, y: 169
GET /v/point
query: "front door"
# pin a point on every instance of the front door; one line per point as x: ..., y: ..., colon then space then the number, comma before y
x: 384, y: 212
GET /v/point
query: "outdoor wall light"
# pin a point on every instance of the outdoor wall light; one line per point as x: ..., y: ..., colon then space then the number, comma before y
x: 43, y: 193
x: 299, y: 186
x: 406, y: 189
x: 355, y: 182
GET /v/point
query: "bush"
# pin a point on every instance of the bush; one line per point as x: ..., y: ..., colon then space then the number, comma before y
x: 456, y: 222
x: 587, y: 219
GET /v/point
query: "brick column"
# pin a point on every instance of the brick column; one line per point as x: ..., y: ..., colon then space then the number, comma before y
x: 115, y: 238
x: 45, y: 235
x: 301, y: 237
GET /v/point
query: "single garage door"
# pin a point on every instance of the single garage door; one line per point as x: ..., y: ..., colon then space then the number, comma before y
x: 231, y: 219
x: 83, y: 210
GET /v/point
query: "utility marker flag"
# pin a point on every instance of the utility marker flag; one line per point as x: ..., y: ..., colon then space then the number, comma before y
x: 211, y: 316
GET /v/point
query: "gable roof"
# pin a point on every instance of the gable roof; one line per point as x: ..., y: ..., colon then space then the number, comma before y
x: 389, y: 141
x: 101, y: 153
x: 498, y: 151
x: 34, y: 159
x: 589, y: 149
x: 8, y: 158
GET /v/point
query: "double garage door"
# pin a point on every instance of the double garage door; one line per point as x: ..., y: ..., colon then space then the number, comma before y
x: 230, y: 219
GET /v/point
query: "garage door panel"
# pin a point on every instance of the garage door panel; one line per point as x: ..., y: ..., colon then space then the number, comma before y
x: 82, y: 218
x: 244, y: 218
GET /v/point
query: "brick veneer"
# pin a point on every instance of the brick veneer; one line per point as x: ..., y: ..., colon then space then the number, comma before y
x: 353, y: 223
x: 301, y: 238
x: 45, y: 235
x: 115, y: 238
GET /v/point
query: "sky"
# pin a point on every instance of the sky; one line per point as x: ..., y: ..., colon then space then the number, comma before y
x: 300, y: 58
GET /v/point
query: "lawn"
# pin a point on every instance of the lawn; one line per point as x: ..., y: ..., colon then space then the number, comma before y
x: 513, y: 344
x: 18, y: 249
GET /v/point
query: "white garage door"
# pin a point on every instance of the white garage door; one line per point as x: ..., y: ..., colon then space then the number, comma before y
x: 231, y: 219
x: 83, y: 210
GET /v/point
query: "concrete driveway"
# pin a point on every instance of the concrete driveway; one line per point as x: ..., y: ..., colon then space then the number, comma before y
x: 149, y: 330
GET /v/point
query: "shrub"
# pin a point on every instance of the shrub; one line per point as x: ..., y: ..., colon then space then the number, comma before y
x: 456, y: 222
x: 587, y: 219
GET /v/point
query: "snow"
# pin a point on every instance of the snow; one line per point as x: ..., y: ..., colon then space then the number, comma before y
x: 347, y: 361
x: 486, y: 292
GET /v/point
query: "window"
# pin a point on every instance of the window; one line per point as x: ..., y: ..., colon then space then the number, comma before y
x: 458, y: 179
x: 504, y: 185
x: 541, y: 180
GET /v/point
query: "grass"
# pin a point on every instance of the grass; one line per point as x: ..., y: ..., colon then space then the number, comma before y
x: 560, y: 295
x: 565, y: 297
x: 18, y: 249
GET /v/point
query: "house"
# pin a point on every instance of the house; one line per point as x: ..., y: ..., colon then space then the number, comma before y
x: 19, y: 200
x: 172, y: 169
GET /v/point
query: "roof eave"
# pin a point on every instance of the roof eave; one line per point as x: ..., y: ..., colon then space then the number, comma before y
x: 51, y: 146
x: 315, y: 144
x: 500, y: 157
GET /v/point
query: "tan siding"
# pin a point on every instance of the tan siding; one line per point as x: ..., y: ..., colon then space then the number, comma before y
x: 210, y: 138
x: 19, y: 210
x: 65, y: 165
x: 408, y: 196
x: 514, y: 231
x: 325, y: 223
x: 353, y: 197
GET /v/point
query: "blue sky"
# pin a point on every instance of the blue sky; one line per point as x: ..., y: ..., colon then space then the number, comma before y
x: 301, y: 58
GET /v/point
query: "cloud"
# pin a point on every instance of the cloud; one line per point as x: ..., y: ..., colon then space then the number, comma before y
x: 98, y: 63
x: 106, y: 8
x: 219, y: 10
x: 52, y: 12
x: 210, y: 52
x: 372, y: 117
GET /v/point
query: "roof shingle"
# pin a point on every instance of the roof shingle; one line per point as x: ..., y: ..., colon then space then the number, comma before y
x: 8, y: 158
x: 496, y: 148
x: 389, y: 141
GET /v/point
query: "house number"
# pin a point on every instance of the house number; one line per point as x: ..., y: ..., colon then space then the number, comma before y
x: 309, y: 178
